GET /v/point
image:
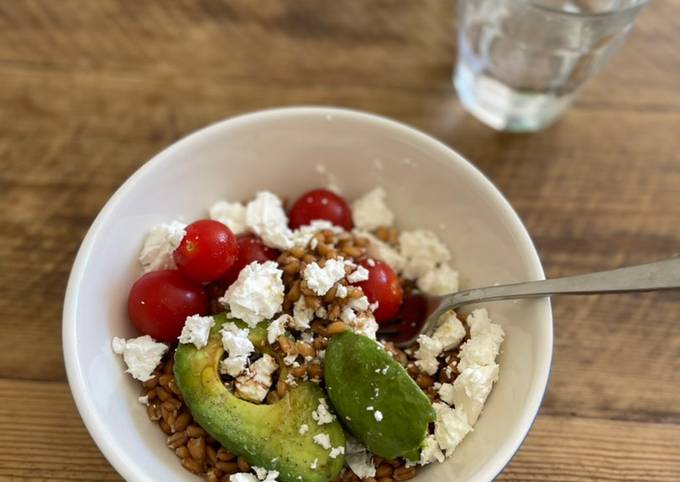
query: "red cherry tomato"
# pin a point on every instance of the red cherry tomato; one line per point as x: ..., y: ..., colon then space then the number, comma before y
x: 160, y: 301
x: 321, y: 204
x: 207, y: 251
x: 250, y: 248
x: 382, y: 286
x: 411, y: 317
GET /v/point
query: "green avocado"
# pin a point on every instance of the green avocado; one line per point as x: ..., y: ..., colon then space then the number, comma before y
x: 375, y: 397
x: 266, y: 435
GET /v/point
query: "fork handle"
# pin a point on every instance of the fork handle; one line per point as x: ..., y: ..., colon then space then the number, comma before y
x: 657, y: 276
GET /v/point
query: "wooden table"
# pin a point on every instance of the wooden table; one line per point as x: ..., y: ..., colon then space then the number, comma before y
x: 89, y: 90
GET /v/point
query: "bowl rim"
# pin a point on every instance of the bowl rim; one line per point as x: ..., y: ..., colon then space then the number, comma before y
x: 97, y: 429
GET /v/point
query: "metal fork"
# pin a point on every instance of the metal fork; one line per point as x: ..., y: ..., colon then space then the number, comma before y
x: 657, y: 276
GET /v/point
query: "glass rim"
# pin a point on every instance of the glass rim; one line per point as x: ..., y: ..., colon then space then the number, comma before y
x: 606, y: 13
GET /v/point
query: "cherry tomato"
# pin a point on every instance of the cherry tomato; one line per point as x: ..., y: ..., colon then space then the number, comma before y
x: 411, y: 317
x: 250, y: 248
x: 160, y: 301
x: 382, y: 286
x: 321, y: 204
x: 207, y: 251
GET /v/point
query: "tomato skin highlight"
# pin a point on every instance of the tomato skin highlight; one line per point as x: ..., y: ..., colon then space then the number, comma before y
x: 160, y: 301
x: 321, y: 204
x: 382, y: 286
x: 250, y: 248
x: 207, y: 251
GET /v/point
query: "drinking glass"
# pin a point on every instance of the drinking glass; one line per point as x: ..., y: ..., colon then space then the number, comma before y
x: 521, y: 63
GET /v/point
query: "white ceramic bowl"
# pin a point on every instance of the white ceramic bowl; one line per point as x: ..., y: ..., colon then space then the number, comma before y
x: 289, y: 151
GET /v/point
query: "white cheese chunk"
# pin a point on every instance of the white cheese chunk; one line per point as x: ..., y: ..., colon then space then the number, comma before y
x: 257, y: 293
x: 141, y: 355
x: 237, y: 345
x: 233, y: 215
x: 438, y: 281
x: 159, y: 246
x: 304, y: 428
x: 265, y: 475
x: 243, y: 477
x: 450, y: 331
x: 266, y: 218
x: 278, y: 327
x: 302, y: 314
x: 144, y: 400
x: 358, y: 458
x: 422, y: 251
x: 319, y: 279
x: 254, y: 384
x: 450, y: 427
x: 323, y: 440
x: 358, y: 275
x: 426, y: 355
x: 364, y: 324
x: 322, y: 414
x: 336, y: 451
x: 471, y: 389
x: 378, y: 416
x: 196, y: 330
x: 484, y: 343
x: 446, y: 393
x: 431, y: 451
x: 370, y: 211
x: 304, y: 234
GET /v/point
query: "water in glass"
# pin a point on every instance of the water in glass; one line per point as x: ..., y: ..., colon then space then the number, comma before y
x: 522, y: 62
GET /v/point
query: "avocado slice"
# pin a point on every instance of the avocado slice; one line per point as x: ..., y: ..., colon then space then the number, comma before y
x: 375, y: 397
x: 266, y: 435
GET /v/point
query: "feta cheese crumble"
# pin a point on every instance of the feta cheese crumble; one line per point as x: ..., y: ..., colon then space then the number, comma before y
x: 257, y: 293
x: 302, y: 314
x: 335, y: 451
x: 265, y: 475
x: 277, y: 328
x: 303, y: 236
x: 322, y: 415
x: 471, y: 389
x: 255, y: 382
x: 358, y: 275
x: 243, y: 477
x: 450, y: 427
x: 141, y: 355
x: 237, y: 345
x: 144, y: 400
x: 378, y: 416
x: 370, y: 211
x: 196, y: 330
x: 422, y: 251
x: 266, y: 218
x: 159, y: 245
x: 481, y: 349
x: 323, y: 440
x: 427, y: 353
x: 359, y: 459
x: 314, y: 464
x: 304, y: 428
x: 450, y: 331
x: 438, y: 281
x: 431, y: 451
x: 233, y: 215
x: 319, y: 279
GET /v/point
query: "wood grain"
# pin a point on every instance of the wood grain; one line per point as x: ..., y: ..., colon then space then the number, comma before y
x: 90, y: 90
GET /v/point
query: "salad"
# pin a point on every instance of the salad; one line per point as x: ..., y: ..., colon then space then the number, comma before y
x: 261, y: 357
